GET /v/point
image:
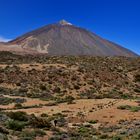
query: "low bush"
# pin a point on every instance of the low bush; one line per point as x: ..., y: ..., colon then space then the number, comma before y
x: 19, y: 116
x: 15, y: 125
x: 137, y: 78
x: 93, y: 121
x: 137, y: 90
x: 68, y: 99
x: 31, y: 134
x: 131, y: 108
x: 18, y: 106
x: 38, y: 122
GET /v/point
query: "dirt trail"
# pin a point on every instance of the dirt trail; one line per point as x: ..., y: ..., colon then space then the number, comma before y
x: 104, y: 110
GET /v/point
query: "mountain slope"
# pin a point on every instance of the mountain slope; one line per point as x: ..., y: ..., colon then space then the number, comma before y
x: 65, y: 39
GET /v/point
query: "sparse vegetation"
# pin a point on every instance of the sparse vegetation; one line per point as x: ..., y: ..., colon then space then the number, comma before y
x: 83, y: 94
x: 131, y: 108
x: 15, y: 125
x: 6, y: 100
x: 93, y: 121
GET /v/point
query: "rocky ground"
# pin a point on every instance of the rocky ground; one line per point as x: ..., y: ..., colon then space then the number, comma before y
x: 90, y: 97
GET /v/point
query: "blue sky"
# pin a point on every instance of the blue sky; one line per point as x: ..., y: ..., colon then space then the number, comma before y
x: 115, y: 20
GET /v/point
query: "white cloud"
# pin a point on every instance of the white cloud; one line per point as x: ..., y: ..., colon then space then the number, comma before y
x: 2, y: 39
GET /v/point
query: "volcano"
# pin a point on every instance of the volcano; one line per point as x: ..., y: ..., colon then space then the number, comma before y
x: 63, y: 38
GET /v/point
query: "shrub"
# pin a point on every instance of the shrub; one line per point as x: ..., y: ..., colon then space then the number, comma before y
x: 44, y: 115
x: 93, y: 121
x: 89, y: 94
x: 15, y: 125
x: 83, y: 130
x: 39, y: 132
x: 3, y: 130
x: 136, y: 136
x: 3, y: 137
x: 18, y: 84
x: 137, y: 90
x: 57, y: 90
x: 116, y: 138
x: 43, y: 87
x: 23, y: 90
x: 131, y: 108
x: 51, y: 104
x: 124, y: 107
x: 18, y: 106
x: 135, y: 108
x: 19, y: 116
x: 6, y: 100
x: 104, y: 136
x: 76, y: 87
x: 39, y: 122
x: 31, y: 134
x: 137, y: 78
x: 69, y: 99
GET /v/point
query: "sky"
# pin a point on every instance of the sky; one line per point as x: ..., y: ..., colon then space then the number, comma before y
x: 115, y: 20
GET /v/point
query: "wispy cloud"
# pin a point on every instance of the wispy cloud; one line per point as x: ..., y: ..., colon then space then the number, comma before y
x: 3, y: 39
